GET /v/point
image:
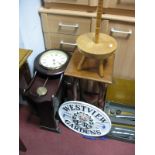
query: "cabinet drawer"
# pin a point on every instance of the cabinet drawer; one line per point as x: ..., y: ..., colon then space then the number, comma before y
x: 65, y: 24
x: 81, y: 2
x: 120, y: 4
x: 60, y: 41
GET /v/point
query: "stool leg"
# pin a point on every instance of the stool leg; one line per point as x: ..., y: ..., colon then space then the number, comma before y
x: 79, y: 67
x: 101, y: 70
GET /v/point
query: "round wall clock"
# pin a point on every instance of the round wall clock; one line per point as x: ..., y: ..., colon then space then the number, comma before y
x: 85, y: 118
x: 51, y: 62
x: 45, y: 90
x: 53, y: 59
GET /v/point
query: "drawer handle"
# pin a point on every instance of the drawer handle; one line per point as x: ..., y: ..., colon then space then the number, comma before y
x: 67, y: 25
x: 113, y: 30
x: 65, y: 43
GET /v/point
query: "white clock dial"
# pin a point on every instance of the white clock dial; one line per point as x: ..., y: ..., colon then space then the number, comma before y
x: 53, y: 59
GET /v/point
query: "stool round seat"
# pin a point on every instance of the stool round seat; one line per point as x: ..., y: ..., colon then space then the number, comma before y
x: 87, y: 46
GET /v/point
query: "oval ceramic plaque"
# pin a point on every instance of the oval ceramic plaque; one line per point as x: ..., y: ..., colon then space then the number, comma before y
x: 84, y: 118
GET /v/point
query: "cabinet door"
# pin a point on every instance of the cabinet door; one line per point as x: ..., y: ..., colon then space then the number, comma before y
x: 124, y: 33
x: 60, y: 41
x: 120, y: 4
x: 81, y: 2
x: 65, y: 24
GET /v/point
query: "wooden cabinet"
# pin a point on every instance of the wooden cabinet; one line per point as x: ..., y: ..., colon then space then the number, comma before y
x: 62, y: 27
x: 61, y: 31
x: 124, y: 33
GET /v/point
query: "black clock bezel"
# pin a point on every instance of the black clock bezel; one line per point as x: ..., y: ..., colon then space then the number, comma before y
x: 46, y: 71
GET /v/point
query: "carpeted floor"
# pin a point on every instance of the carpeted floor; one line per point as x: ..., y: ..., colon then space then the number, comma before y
x: 43, y: 142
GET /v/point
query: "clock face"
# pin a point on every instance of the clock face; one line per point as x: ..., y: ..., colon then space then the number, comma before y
x: 53, y: 59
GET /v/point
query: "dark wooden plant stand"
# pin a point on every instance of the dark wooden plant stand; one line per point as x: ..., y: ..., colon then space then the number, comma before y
x: 90, y: 72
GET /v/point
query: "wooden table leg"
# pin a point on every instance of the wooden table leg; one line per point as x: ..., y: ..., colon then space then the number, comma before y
x: 75, y: 90
x: 102, y: 93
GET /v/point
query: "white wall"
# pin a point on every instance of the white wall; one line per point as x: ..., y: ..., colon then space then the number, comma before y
x: 30, y: 31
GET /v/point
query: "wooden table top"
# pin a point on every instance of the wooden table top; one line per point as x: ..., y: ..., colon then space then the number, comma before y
x: 90, y: 68
x: 23, y: 55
